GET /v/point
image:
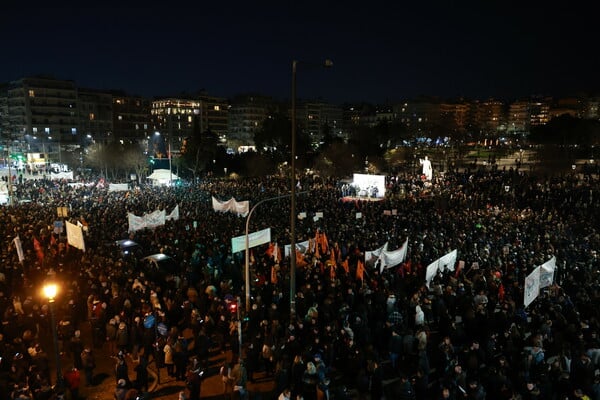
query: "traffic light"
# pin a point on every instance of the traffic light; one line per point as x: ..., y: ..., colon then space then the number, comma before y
x: 233, y: 307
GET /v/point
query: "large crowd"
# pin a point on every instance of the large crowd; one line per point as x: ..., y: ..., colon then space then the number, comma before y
x: 466, y: 335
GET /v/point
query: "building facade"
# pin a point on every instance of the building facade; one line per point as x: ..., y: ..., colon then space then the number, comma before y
x: 43, y: 113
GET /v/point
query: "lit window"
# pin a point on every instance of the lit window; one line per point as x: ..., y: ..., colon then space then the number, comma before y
x: 34, y: 130
x: 92, y: 117
x: 189, y: 119
x: 31, y: 93
x: 120, y: 118
x: 118, y: 101
x: 217, y: 108
x: 47, y: 130
x: 73, y: 131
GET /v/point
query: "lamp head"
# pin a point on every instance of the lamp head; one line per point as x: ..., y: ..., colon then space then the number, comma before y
x: 50, y: 290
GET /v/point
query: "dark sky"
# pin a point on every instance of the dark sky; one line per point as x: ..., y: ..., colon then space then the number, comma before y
x: 381, y: 50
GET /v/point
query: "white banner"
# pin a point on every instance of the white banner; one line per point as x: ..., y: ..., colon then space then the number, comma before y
x: 532, y: 287
x: 174, y: 215
x: 240, y: 208
x: 19, y: 247
x: 302, y: 247
x: 547, y: 273
x: 372, y: 255
x: 135, y: 223
x: 238, y: 243
x: 75, y: 236
x: 389, y: 259
x: 118, y: 187
x: 152, y: 220
x: 62, y: 175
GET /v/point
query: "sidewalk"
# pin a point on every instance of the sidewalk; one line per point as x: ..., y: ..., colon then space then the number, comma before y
x: 168, y: 388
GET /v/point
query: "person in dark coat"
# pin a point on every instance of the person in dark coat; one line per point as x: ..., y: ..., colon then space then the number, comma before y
x: 122, y: 370
x: 376, y: 381
x: 89, y: 363
x: 141, y: 371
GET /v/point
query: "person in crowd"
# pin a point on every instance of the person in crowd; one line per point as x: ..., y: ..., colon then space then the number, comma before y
x: 89, y: 364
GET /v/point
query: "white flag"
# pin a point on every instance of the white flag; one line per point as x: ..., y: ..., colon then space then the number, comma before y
x: 547, y: 273
x: 532, y: 287
x: 301, y: 247
x: 448, y: 261
x: 431, y: 272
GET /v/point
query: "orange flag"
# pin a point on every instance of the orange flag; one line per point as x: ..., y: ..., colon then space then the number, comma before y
x: 277, y: 253
x: 360, y: 270
x: 324, y: 243
x: 274, y: 274
x: 332, y: 267
x: 300, y: 260
x: 346, y: 266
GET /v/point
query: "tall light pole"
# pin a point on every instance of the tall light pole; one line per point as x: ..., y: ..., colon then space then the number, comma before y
x: 247, y: 259
x: 50, y: 291
x: 327, y: 63
x: 293, y: 200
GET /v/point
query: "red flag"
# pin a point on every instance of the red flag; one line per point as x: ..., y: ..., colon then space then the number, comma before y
x: 501, y: 292
x: 38, y: 250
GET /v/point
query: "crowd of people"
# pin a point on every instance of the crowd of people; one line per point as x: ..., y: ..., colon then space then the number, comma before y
x: 367, y: 332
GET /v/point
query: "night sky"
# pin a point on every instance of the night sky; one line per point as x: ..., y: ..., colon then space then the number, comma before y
x: 381, y: 50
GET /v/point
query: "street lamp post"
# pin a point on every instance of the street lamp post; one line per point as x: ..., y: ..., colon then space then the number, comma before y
x: 50, y: 291
x: 327, y: 63
x: 293, y: 199
x: 247, y: 259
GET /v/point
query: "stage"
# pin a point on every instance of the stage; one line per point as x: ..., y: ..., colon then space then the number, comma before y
x: 360, y: 198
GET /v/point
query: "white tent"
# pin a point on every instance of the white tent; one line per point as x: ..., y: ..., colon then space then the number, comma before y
x: 162, y: 177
